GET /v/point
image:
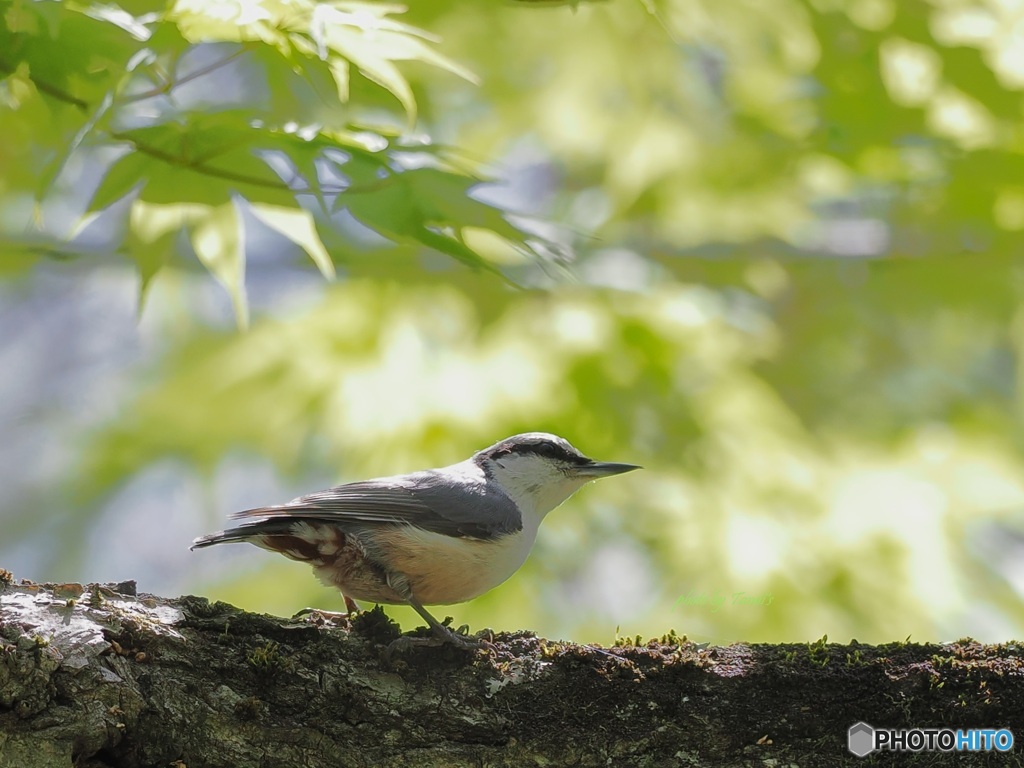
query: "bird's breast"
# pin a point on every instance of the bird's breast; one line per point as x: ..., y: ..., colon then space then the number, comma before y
x: 448, y: 569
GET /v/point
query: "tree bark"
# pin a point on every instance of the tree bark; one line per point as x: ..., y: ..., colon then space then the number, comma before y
x: 99, y: 676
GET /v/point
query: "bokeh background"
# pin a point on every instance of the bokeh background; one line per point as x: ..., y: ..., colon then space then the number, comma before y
x: 796, y: 298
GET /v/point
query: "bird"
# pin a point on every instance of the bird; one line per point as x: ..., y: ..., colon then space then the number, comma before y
x: 434, y: 537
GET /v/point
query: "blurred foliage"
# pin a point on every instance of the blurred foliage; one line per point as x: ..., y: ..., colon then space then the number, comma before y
x: 198, y: 110
x: 797, y: 299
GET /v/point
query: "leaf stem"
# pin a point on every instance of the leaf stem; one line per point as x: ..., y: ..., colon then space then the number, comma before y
x: 170, y: 85
x: 48, y: 89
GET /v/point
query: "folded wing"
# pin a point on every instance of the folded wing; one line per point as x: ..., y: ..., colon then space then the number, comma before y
x: 430, y: 500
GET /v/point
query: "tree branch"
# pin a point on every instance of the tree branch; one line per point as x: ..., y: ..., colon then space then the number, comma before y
x: 171, y: 83
x: 49, y: 89
x: 100, y: 676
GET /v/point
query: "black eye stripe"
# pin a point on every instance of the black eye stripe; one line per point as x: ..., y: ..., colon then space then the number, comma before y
x: 544, y: 448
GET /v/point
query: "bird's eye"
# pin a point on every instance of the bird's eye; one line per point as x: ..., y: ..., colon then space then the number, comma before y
x: 547, y: 449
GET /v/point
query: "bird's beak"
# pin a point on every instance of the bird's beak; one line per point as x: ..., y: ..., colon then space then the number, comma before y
x: 598, y: 469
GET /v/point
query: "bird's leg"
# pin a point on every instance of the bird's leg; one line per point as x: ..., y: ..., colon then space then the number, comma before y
x: 399, y: 583
x: 447, y: 634
x: 442, y: 634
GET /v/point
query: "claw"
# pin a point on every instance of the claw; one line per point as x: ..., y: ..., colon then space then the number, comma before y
x: 316, y: 613
x: 463, y: 641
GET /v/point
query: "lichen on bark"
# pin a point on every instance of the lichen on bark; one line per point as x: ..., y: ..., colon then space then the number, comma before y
x: 98, y: 675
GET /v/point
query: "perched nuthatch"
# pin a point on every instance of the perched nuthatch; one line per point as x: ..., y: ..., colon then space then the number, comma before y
x: 434, y: 537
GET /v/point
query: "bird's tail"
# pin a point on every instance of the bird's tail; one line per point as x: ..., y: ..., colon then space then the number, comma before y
x: 243, y: 533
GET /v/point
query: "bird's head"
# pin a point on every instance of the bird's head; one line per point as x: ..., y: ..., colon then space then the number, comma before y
x: 539, y: 471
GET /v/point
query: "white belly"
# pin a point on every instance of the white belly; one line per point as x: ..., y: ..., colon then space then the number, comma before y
x: 445, y: 569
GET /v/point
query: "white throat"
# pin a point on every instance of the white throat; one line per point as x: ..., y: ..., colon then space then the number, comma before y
x: 535, y: 484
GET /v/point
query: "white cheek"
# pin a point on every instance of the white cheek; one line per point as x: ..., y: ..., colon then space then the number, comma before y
x: 534, y: 485
x: 551, y: 494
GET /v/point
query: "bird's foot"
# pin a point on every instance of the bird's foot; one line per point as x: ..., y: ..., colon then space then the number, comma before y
x: 442, y: 636
x: 316, y: 613
x: 460, y: 637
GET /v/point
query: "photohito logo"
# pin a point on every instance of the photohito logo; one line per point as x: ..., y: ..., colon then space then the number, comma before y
x: 863, y: 739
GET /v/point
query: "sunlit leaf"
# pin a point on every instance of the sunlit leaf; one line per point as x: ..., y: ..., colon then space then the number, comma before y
x: 218, y: 239
x: 340, y: 72
x: 374, y: 63
x: 151, y: 243
x: 298, y: 226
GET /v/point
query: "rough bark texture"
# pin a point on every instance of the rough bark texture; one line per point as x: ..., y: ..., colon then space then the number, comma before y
x: 99, y: 676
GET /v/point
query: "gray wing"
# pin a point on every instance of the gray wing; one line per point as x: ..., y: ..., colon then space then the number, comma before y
x: 435, y: 501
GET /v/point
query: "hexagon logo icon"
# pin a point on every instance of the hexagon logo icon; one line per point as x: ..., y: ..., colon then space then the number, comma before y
x: 860, y: 739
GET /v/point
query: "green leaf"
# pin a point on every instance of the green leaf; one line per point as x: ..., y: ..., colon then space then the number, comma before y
x: 112, y: 14
x: 304, y: 156
x: 203, y: 160
x: 301, y: 87
x: 151, y: 248
x: 204, y: 21
x: 371, y: 58
x: 297, y: 225
x: 71, y: 55
x: 444, y: 196
x: 414, y: 205
x: 408, y: 47
x: 152, y: 234
x: 151, y: 222
x: 123, y: 175
x: 456, y: 249
x: 50, y: 173
x: 218, y: 238
x: 363, y: 34
x: 342, y: 77
x: 389, y: 207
